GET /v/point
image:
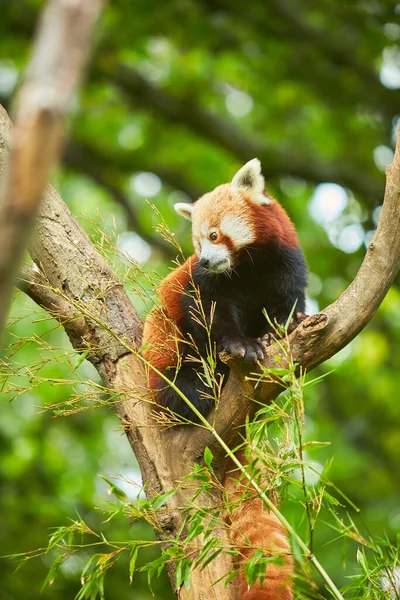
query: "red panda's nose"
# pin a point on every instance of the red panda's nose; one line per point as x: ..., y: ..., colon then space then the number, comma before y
x: 204, y: 262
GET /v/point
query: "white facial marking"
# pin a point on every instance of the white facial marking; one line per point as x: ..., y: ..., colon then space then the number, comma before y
x: 204, y: 229
x: 217, y: 255
x: 197, y: 247
x: 237, y: 230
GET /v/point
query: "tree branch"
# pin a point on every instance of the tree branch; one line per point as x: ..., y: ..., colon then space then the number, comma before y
x: 322, y: 335
x: 59, y: 56
x: 99, y: 318
x: 285, y: 21
x: 110, y: 332
x: 80, y: 154
x: 340, y: 54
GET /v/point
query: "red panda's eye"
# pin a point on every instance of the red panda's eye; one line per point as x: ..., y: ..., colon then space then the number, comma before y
x: 213, y: 236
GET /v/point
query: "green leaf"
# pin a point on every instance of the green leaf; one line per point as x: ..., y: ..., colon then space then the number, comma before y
x: 210, y: 558
x: 194, y: 530
x: 178, y: 574
x: 53, y: 572
x: 114, y: 489
x: 208, y: 456
x: 80, y: 360
x: 132, y: 562
x: 161, y: 500
x: 362, y: 560
x: 331, y: 499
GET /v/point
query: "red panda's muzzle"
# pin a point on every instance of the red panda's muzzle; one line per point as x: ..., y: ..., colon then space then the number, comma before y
x: 215, y: 257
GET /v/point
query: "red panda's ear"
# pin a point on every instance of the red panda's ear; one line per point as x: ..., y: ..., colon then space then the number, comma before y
x: 185, y: 210
x: 250, y: 179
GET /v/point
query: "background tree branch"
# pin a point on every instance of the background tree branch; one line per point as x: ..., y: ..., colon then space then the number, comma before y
x: 59, y: 56
x: 277, y: 161
x: 337, y: 49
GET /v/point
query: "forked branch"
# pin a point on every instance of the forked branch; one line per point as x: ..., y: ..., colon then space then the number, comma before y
x: 322, y: 335
x: 109, y: 330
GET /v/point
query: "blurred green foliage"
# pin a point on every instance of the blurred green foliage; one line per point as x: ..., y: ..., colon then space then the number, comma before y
x: 179, y: 94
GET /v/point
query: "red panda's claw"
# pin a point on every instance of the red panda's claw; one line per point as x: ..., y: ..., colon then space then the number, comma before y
x: 234, y: 347
x: 243, y: 347
x: 266, y: 340
x: 254, y: 351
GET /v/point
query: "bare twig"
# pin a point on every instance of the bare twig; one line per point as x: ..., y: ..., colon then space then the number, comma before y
x: 59, y: 56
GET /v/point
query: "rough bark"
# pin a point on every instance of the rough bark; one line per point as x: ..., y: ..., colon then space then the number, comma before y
x: 59, y: 56
x: 77, y: 286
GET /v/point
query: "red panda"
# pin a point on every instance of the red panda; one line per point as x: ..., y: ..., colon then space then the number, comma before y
x: 247, y: 259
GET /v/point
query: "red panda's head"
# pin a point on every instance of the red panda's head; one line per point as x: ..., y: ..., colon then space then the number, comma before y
x: 228, y: 219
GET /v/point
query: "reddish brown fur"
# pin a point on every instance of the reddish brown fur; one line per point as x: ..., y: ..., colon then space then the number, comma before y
x: 161, y: 348
x: 253, y: 527
x: 214, y: 206
x: 172, y: 288
x: 272, y: 224
x: 161, y: 333
x: 225, y: 239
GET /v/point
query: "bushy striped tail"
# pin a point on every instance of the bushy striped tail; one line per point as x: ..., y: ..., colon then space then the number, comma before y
x: 253, y: 527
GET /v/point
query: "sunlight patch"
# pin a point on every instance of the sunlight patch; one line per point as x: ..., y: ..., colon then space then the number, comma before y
x: 238, y: 103
x: 146, y: 184
x: 327, y: 203
x: 133, y: 246
x: 351, y: 238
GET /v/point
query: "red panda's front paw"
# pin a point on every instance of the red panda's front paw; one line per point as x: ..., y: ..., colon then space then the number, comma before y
x: 243, y: 347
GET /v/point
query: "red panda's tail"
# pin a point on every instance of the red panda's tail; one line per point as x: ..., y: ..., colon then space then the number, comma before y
x: 253, y: 527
